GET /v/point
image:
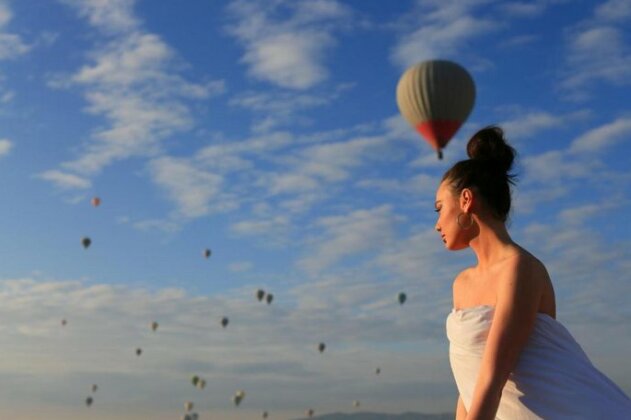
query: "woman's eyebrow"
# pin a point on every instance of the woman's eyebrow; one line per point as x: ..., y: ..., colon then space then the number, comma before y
x: 436, y: 202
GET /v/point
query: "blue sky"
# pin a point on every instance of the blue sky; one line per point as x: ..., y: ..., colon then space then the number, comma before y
x: 269, y: 133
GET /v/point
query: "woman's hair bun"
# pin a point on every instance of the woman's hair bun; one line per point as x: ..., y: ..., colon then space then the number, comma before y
x: 489, y: 144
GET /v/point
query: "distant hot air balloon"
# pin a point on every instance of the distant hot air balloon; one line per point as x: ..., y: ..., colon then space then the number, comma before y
x: 85, y: 241
x: 378, y: 371
x: 355, y: 403
x: 195, y: 380
x: 64, y: 322
x: 321, y: 347
x: 238, y: 397
x: 95, y: 387
x: 96, y: 201
x: 436, y: 97
x: 309, y: 412
x: 260, y: 294
x: 201, y: 384
x: 138, y: 351
x: 88, y: 401
x: 154, y: 325
x: 188, y: 405
x: 224, y: 322
x: 269, y: 298
x: 207, y: 253
x: 264, y: 414
x: 402, y: 298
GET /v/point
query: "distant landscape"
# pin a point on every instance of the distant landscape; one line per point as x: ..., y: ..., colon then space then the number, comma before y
x: 383, y: 416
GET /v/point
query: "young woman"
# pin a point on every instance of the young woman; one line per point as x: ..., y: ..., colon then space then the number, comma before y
x: 510, y: 358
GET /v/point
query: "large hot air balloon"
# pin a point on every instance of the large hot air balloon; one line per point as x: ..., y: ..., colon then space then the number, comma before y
x: 436, y: 97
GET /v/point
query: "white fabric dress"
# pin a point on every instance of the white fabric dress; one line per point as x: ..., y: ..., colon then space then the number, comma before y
x: 553, y: 378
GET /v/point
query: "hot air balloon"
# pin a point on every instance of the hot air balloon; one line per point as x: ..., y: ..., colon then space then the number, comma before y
x: 201, y: 384
x: 260, y: 294
x: 378, y: 371
x: 188, y: 405
x: 264, y: 414
x: 402, y: 298
x: 85, y: 241
x: 355, y: 403
x: 95, y: 387
x: 64, y: 322
x: 88, y: 401
x: 436, y: 97
x: 224, y: 322
x: 321, y: 347
x: 96, y: 201
x: 154, y: 325
x: 309, y: 412
x: 238, y: 397
x: 195, y: 380
x: 269, y: 298
x: 138, y: 351
x: 207, y: 253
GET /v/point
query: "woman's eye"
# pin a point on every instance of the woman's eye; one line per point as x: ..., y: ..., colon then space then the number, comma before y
x: 437, y: 210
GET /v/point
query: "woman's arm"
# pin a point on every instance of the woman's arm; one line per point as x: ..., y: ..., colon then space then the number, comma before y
x: 518, y: 297
x: 461, y: 411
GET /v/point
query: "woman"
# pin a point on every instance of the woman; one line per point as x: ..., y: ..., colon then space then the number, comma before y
x: 511, y: 359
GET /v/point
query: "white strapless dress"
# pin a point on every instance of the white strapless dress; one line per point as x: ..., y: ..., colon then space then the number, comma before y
x: 553, y: 379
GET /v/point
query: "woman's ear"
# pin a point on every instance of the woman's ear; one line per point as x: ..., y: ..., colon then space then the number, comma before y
x: 466, y: 200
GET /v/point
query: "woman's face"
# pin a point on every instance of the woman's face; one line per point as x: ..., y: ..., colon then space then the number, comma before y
x: 448, y: 208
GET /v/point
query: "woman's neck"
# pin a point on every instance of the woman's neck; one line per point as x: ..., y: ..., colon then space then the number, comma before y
x: 492, y: 244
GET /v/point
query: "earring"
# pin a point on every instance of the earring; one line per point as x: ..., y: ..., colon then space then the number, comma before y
x: 460, y: 223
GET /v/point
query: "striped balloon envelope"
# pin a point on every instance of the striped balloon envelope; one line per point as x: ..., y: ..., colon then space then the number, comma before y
x: 436, y: 97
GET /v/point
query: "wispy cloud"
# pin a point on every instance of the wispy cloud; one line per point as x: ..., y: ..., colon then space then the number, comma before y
x: 593, y: 42
x: 439, y: 29
x: 5, y: 147
x: 11, y: 45
x: 65, y: 180
x: 289, y: 52
x: 598, y: 139
x: 133, y: 83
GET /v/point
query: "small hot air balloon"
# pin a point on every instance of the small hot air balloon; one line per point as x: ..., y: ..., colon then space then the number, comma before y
x: 195, y: 380
x: 95, y: 387
x: 378, y: 371
x: 154, y: 325
x: 207, y: 253
x: 88, y: 401
x: 64, y: 322
x: 238, y: 397
x: 138, y: 351
x: 96, y: 201
x: 201, y: 384
x: 269, y: 298
x: 224, y: 322
x: 188, y: 405
x: 309, y: 412
x: 436, y: 97
x: 264, y: 414
x: 85, y: 241
x: 321, y: 347
x: 355, y: 403
x: 260, y: 294
x: 402, y: 298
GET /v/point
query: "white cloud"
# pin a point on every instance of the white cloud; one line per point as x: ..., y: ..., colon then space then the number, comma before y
x: 614, y: 10
x: 345, y: 235
x: 133, y: 83
x: 524, y: 9
x: 607, y: 135
x: 240, y: 266
x: 287, y: 52
x: 65, y: 180
x: 195, y: 191
x: 530, y: 123
x: 439, y: 29
x: 11, y: 45
x: 5, y: 147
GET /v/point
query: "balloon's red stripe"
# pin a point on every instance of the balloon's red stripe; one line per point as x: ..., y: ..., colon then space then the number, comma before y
x: 438, y: 132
